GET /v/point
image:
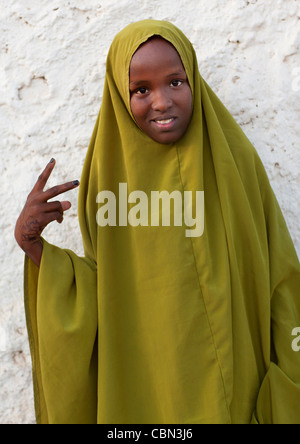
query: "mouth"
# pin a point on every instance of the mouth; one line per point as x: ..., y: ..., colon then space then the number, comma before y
x: 164, y: 123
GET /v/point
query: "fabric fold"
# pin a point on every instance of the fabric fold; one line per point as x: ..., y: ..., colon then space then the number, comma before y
x: 61, y: 306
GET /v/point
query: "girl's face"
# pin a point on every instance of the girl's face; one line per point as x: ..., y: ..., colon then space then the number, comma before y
x: 160, y: 96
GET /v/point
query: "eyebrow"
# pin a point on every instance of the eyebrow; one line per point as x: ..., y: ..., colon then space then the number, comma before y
x: 138, y: 82
x: 178, y: 73
x: 143, y: 82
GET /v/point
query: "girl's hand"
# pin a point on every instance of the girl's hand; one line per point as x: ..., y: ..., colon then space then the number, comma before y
x: 38, y: 213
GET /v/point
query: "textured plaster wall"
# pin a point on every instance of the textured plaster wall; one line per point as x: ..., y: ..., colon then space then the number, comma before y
x: 52, y: 64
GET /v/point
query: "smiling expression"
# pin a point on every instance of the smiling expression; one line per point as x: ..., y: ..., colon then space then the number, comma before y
x: 160, y: 96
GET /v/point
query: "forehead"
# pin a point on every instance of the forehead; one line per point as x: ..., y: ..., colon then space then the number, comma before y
x: 155, y: 54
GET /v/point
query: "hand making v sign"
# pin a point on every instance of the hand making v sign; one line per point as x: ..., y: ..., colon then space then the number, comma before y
x: 38, y: 213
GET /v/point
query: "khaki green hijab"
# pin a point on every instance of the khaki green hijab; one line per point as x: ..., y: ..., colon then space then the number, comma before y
x: 153, y: 326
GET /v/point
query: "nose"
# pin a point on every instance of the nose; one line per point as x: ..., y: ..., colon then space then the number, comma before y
x: 161, y: 101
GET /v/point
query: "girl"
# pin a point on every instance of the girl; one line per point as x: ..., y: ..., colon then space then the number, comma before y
x: 154, y: 326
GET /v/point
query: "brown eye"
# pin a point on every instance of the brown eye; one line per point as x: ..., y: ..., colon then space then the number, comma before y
x: 141, y: 91
x: 176, y: 83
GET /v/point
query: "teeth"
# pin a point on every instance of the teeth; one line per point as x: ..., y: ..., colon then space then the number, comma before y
x: 164, y: 122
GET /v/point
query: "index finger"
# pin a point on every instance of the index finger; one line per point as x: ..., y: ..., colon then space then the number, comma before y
x: 59, y: 189
x: 44, y: 176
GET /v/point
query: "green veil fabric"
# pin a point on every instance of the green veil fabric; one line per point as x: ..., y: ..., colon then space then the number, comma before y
x: 152, y: 326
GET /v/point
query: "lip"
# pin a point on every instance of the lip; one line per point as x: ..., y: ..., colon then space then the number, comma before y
x: 166, y: 126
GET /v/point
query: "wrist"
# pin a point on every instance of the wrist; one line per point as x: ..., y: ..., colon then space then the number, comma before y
x: 34, y: 251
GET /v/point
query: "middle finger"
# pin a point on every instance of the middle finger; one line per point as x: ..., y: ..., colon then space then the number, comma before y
x: 59, y: 189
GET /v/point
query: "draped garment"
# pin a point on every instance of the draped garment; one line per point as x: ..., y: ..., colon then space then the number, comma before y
x: 152, y: 326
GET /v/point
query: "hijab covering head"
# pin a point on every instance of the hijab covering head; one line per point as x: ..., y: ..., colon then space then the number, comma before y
x: 154, y: 326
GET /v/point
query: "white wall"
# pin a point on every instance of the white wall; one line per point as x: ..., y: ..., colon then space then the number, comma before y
x: 52, y: 64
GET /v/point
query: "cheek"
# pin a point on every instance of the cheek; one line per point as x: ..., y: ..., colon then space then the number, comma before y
x: 186, y: 107
x: 139, y: 109
x: 189, y: 103
x: 189, y: 108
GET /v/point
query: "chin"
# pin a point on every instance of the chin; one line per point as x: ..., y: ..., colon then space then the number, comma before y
x: 166, y: 139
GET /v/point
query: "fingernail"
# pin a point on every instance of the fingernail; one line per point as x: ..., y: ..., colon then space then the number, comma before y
x: 75, y: 182
x: 52, y: 160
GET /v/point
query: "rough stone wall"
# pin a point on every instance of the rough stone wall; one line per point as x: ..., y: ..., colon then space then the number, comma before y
x: 52, y: 64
